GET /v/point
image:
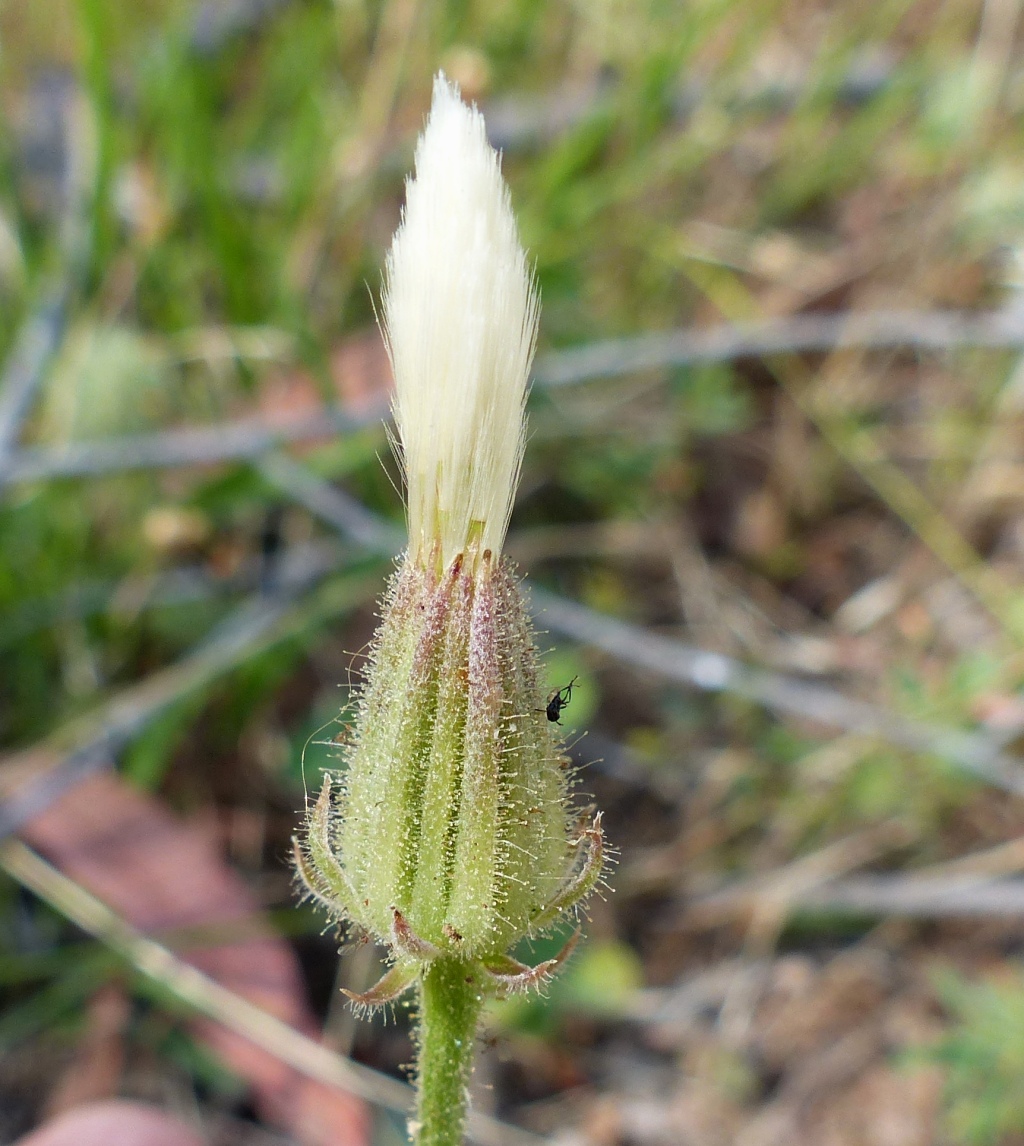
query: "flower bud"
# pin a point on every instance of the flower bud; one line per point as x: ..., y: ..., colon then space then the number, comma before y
x: 452, y: 834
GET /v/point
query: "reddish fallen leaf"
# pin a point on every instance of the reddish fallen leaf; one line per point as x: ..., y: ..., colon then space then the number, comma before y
x: 162, y: 874
x: 114, y: 1123
x: 1000, y: 712
x: 362, y: 372
x: 94, y: 1072
x: 360, y: 375
x: 290, y: 395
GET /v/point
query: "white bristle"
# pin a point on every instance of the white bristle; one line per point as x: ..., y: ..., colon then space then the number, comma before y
x: 460, y: 319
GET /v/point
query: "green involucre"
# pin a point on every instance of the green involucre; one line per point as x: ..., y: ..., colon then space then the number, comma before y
x: 454, y: 808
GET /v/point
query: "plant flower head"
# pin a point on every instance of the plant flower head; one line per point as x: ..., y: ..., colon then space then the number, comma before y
x: 449, y: 835
x: 460, y: 316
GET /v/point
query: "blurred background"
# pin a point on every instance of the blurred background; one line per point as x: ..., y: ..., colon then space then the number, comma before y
x: 771, y: 514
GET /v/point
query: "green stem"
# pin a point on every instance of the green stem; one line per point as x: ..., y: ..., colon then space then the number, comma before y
x: 450, y: 1002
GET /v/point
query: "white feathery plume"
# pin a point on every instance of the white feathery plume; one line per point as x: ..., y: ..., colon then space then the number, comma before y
x: 460, y: 321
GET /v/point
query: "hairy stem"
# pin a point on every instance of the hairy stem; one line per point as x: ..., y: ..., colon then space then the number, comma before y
x: 450, y: 1002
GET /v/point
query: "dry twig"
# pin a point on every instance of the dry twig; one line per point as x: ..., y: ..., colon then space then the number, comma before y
x: 713, y: 672
x: 930, y: 330
x: 251, y: 438
x: 241, y: 440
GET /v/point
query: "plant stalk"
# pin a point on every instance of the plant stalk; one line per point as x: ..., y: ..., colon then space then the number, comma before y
x: 450, y: 1004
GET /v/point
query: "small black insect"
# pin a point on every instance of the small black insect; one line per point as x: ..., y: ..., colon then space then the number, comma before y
x: 558, y: 700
